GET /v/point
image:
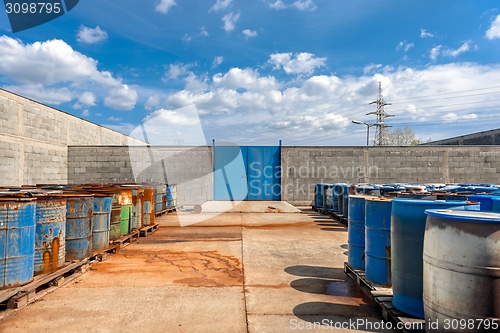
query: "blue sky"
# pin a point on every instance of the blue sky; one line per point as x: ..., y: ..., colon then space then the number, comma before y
x: 263, y: 70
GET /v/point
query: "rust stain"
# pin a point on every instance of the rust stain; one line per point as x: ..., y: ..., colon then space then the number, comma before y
x: 55, y: 254
x: 46, y: 262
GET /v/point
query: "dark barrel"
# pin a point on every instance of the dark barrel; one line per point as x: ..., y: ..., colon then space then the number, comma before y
x: 378, y: 240
x: 50, y: 239
x: 318, y: 196
x: 407, y: 246
x: 462, y: 269
x: 356, y: 232
x: 148, y: 206
x: 79, y: 215
x: 17, y: 239
x: 101, y: 221
x: 345, y: 200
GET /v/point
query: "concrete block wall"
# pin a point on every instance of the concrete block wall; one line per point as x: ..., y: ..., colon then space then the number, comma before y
x: 305, y: 166
x: 189, y: 167
x: 34, y: 140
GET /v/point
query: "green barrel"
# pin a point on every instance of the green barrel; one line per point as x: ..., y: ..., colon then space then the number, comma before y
x: 125, y: 212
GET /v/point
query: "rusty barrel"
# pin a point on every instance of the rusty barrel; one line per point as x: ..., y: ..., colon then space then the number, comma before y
x: 101, y: 221
x: 148, y: 207
x: 50, y: 237
x: 79, y: 215
x: 125, y: 211
x: 378, y: 240
x: 137, y: 214
x: 17, y: 240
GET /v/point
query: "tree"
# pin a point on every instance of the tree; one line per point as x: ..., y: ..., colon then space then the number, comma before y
x: 404, y: 137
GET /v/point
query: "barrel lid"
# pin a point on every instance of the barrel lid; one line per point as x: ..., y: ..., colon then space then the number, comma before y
x: 424, y: 202
x: 464, y: 215
x: 16, y: 199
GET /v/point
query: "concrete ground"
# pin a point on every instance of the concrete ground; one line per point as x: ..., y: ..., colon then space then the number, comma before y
x: 232, y: 272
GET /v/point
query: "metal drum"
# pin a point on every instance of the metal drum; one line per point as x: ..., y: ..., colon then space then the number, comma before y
x: 160, y: 192
x: 407, y: 245
x: 462, y: 269
x: 328, y: 197
x: 125, y: 211
x: 148, y: 206
x: 345, y: 201
x: 79, y: 215
x: 336, y: 189
x: 496, y: 204
x: 17, y: 239
x: 356, y: 232
x: 341, y: 192
x: 171, y: 196
x: 173, y: 189
x: 318, y: 196
x: 137, y: 214
x: 50, y: 237
x: 378, y: 240
x: 485, y: 200
x: 101, y: 221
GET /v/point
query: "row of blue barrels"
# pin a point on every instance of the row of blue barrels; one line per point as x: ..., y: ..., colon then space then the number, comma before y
x: 332, y: 197
x: 165, y: 197
x: 386, y: 239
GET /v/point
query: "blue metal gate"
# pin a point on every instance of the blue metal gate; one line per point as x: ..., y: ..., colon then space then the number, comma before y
x: 247, y: 173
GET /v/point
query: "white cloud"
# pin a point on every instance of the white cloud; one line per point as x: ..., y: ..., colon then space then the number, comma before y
x: 115, y: 119
x: 300, y: 63
x: 220, y: 4
x: 152, y: 102
x: 453, y: 53
x: 230, y: 20
x: 447, y: 52
x: 304, y: 5
x: 217, y: 61
x: 425, y: 34
x: 123, y: 98
x: 278, y: 4
x: 87, y: 98
x: 91, y: 36
x: 175, y: 71
x: 494, y: 30
x: 204, y: 32
x: 435, y: 52
x: 405, y: 46
x: 371, y: 67
x: 85, y: 113
x: 164, y: 6
x: 42, y: 94
x: 249, y: 33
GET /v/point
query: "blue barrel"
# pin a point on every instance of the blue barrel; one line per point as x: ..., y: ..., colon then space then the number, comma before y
x: 79, y: 214
x: 356, y: 232
x: 159, y: 196
x: 480, y: 189
x: 496, y: 204
x: 336, y: 189
x: 345, y: 201
x: 17, y: 241
x: 367, y: 190
x: 461, y: 269
x: 318, y: 196
x: 328, y: 197
x: 50, y: 238
x: 378, y: 240
x: 101, y: 222
x: 407, y: 243
x: 170, y: 196
x: 485, y: 200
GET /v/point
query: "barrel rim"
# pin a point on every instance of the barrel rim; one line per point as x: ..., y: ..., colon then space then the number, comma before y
x: 465, y: 215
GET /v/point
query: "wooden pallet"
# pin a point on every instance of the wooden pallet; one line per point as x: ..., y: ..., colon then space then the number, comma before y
x: 126, y: 240
x: 18, y: 298
x: 148, y: 230
x: 165, y: 211
x: 382, y: 297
